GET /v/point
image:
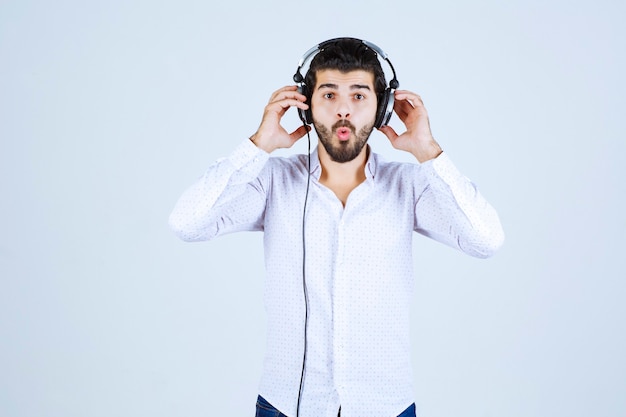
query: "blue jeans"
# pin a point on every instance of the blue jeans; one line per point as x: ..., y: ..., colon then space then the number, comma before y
x: 265, y: 409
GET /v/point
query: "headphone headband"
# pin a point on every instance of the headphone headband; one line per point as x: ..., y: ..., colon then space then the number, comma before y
x: 310, y: 54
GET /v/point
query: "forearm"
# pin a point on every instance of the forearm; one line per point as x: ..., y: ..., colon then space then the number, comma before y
x: 453, y: 211
x: 194, y: 215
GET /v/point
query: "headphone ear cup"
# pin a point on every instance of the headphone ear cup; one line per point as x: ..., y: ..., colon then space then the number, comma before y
x: 385, y: 108
x: 305, y: 115
x: 383, y: 99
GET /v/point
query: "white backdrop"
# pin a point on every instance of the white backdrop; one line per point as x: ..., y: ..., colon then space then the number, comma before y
x: 108, y: 110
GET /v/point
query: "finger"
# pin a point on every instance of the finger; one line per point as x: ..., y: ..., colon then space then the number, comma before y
x: 408, y: 105
x: 299, y: 132
x: 287, y: 92
x: 402, y: 109
x: 389, y: 132
x: 290, y: 100
x: 407, y: 93
x: 280, y: 107
x: 413, y: 99
x: 285, y: 88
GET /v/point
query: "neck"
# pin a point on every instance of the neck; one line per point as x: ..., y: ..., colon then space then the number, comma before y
x: 342, y: 172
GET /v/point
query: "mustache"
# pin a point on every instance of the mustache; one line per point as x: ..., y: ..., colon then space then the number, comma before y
x: 344, y: 123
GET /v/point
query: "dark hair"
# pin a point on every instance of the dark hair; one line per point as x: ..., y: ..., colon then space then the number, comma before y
x: 345, y: 55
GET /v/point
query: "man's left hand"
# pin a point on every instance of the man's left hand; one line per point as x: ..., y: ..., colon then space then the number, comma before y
x: 418, y: 139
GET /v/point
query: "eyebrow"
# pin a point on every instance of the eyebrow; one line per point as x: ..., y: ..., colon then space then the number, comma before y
x: 352, y: 87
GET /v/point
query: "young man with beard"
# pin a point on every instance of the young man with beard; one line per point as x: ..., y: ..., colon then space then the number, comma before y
x: 338, y: 236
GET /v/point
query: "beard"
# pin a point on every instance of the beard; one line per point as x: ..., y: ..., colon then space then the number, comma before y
x: 344, y: 151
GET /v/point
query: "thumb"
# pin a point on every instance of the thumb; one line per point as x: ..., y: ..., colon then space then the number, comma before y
x: 299, y: 132
x: 389, y: 132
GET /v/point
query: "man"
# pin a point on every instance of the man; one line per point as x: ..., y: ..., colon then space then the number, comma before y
x: 337, y: 235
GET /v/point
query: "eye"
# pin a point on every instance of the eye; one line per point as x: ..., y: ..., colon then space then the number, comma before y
x: 328, y: 96
x: 359, y: 96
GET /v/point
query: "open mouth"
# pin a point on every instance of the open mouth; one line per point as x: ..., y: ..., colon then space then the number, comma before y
x: 344, y: 133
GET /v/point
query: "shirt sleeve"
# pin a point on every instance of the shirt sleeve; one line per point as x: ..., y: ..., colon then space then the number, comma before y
x: 451, y: 210
x: 229, y: 197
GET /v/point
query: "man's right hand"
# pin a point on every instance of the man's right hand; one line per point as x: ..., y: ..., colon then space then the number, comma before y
x: 271, y: 135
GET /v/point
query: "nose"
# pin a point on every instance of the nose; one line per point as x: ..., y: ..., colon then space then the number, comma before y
x: 343, y: 108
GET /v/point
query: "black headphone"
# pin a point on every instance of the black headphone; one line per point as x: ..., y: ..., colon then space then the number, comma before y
x: 385, y: 99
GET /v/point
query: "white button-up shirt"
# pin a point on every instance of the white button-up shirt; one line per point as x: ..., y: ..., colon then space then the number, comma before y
x: 358, y: 267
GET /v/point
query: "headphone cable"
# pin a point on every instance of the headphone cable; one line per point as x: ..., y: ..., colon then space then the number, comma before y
x: 304, y: 288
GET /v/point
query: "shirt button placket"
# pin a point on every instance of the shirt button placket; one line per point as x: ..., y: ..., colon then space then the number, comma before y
x: 340, y: 310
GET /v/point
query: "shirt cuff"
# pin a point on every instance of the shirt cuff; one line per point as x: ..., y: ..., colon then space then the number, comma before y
x: 442, y: 168
x: 248, y: 153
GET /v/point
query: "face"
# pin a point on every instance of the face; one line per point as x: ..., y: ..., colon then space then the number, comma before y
x: 344, y: 110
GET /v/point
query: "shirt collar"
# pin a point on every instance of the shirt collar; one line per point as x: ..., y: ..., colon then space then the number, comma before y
x: 370, y: 165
